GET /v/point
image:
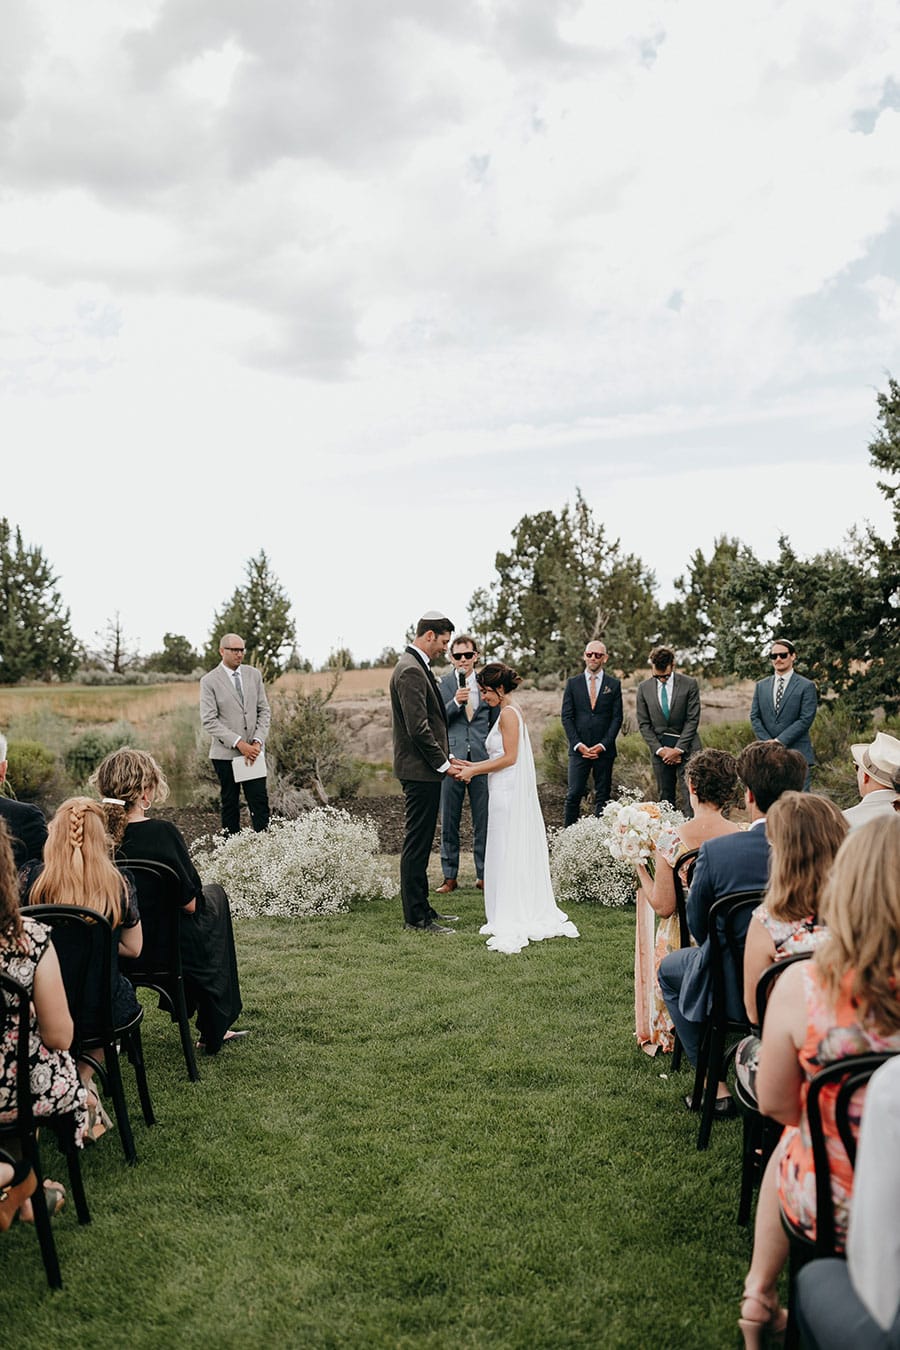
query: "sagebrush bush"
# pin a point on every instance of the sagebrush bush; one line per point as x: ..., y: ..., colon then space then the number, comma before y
x: 316, y: 864
x: 583, y: 869
x: 86, y: 752
x: 31, y: 769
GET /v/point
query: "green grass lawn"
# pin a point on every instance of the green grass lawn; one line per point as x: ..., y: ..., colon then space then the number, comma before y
x: 423, y: 1144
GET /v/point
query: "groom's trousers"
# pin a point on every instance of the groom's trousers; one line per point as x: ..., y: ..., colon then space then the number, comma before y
x: 423, y: 800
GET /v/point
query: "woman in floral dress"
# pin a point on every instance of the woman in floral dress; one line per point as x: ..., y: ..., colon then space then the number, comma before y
x: 27, y: 956
x: 712, y: 781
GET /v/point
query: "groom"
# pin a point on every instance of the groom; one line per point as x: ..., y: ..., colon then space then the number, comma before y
x: 421, y: 762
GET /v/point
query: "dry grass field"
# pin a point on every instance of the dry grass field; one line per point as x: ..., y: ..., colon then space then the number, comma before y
x: 87, y: 705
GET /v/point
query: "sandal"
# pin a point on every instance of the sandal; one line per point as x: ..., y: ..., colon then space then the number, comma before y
x: 98, y: 1121
x: 236, y: 1035
x: 16, y: 1191
x: 774, y: 1322
x: 54, y: 1198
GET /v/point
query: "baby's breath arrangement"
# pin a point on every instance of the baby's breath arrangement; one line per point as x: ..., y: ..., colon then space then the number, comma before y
x: 583, y: 869
x: 316, y: 864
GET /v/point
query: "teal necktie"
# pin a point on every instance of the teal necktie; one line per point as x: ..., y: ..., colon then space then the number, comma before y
x: 664, y: 701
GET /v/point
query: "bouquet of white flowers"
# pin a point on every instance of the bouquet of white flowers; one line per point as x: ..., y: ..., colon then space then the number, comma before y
x: 634, y: 827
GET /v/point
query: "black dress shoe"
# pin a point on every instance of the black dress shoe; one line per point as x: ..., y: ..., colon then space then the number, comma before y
x: 443, y: 918
x: 724, y: 1108
x: 428, y: 927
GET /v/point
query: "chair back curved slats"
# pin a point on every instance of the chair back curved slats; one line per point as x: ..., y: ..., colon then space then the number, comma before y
x: 85, y: 944
x: 850, y: 1075
x: 688, y: 862
x: 160, y: 901
x: 729, y: 918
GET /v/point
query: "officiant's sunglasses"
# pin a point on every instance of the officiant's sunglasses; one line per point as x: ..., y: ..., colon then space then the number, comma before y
x: 463, y: 656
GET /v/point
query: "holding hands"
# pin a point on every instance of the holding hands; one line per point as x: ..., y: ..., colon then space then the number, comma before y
x: 462, y: 769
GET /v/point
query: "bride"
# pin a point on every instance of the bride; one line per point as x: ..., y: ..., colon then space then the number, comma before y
x: 518, y: 895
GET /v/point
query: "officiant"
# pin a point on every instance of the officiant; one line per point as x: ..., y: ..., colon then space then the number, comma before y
x: 235, y: 712
x: 469, y: 719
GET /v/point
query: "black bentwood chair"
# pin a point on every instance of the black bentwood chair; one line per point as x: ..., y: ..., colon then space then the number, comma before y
x: 159, y: 965
x: 729, y: 918
x: 761, y: 1133
x: 688, y: 862
x: 849, y: 1076
x: 84, y: 942
x: 15, y: 1010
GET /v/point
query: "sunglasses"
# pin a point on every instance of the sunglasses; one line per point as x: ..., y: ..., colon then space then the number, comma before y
x: 463, y: 656
x: 234, y: 649
x: 596, y: 654
x: 778, y: 656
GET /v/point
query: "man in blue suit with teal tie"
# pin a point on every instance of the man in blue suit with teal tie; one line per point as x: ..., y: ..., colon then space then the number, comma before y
x: 784, y: 705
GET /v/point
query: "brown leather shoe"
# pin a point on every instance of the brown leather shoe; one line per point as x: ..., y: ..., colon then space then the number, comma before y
x: 479, y: 884
x: 450, y: 884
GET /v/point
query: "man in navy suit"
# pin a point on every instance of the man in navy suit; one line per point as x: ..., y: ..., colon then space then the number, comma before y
x: 592, y: 717
x: 784, y: 705
x: 731, y: 862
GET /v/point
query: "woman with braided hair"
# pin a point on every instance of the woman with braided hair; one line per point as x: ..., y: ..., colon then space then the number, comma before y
x: 27, y: 956
x: 130, y: 781
x: 78, y: 870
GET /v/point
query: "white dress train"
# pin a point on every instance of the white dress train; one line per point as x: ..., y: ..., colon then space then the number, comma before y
x: 518, y: 894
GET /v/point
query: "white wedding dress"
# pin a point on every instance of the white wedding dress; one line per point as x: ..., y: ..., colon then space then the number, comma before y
x: 518, y: 894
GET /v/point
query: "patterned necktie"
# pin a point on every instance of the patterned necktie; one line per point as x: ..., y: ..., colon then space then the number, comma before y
x: 238, y: 687
x: 779, y: 691
x: 593, y: 685
x: 664, y: 701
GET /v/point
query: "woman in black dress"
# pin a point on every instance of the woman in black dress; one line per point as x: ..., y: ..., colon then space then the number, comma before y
x: 130, y: 781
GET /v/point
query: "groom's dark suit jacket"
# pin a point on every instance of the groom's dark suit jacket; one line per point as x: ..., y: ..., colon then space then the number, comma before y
x: 421, y: 743
x: 592, y: 727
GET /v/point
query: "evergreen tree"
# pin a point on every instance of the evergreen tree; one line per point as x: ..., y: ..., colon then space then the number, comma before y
x: 260, y: 612
x: 36, y: 640
x: 562, y: 583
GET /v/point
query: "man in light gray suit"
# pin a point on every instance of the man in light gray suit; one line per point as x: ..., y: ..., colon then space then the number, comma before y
x: 235, y: 711
x: 668, y: 714
x: 468, y: 722
x: 785, y: 705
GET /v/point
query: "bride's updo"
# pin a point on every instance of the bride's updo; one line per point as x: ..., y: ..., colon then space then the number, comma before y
x: 502, y: 679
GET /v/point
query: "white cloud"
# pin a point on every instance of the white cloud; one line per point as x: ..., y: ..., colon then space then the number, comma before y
x: 340, y: 261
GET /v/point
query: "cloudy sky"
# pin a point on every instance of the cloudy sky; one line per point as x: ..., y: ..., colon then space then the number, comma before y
x: 361, y: 283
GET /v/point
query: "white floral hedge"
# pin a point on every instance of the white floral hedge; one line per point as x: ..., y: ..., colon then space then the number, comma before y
x: 583, y: 869
x: 316, y: 864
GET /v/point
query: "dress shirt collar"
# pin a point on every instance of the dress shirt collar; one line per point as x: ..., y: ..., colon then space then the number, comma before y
x: 598, y: 676
x: 421, y: 655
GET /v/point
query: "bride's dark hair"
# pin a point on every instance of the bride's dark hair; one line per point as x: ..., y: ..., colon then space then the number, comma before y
x: 498, y: 677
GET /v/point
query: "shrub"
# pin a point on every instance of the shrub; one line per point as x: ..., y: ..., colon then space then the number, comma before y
x: 555, y: 755
x: 32, y: 767
x: 310, y: 747
x: 730, y: 736
x: 84, y: 754
x: 316, y: 864
x: 583, y: 869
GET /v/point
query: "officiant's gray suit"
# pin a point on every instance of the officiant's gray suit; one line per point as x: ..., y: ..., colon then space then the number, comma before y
x: 228, y: 718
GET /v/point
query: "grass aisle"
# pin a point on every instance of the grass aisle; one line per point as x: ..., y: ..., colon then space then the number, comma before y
x: 423, y: 1144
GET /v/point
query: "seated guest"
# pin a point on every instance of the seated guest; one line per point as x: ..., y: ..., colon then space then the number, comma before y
x: 26, y: 824
x: 712, y: 785
x: 877, y: 778
x: 27, y: 956
x: 856, y: 1303
x: 804, y: 834
x: 130, y: 781
x: 78, y: 870
x: 842, y: 1002
x: 736, y: 862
